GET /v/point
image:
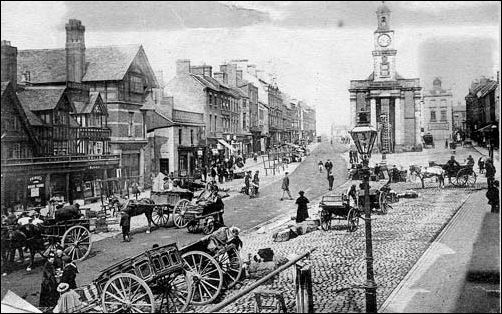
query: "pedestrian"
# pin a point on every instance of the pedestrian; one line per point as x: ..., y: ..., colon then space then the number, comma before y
x: 285, y: 186
x: 446, y: 144
x: 70, y: 272
x: 331, y: 178
x: 490, y: 172
x: 58, y: 264
x: 320, y: 165
x: 255, y: 157
x: 470, y: 161
x: 231, y: 172
x: 351, y: 157
x: 204, y: 173
x: 247, y: 181
x: 356, y: 157
x: 214, y: 172
x: 493, y: 196
x: 220, y: 173
x: 135, y: 189
x: 481, y: 164
x: 69, y: 301
x: 328, y: 165
x: 48, y: 292
x: 256, y: 182
x: 302, y: 212
x: 125, y: 223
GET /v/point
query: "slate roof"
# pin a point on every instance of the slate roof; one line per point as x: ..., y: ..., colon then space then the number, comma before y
x: 102, y: 63
x: 37, y: 99
x: 483, y: 89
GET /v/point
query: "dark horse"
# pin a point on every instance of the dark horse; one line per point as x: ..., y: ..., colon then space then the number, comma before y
x: 16, y: 238
x: 134, y: 207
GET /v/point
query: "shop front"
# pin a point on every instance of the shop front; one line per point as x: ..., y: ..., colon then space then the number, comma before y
x: 191, y: 159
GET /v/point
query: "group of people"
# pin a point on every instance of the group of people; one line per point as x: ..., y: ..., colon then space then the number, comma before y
x: 58, y: 284
x: 329, y: 171
x: 251, y: 184
x: 224, y: 170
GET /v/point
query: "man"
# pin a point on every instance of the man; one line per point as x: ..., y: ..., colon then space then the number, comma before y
x: 256, y: 182
x: 125, y: 223
x: 247, y: 181
x: 328, y: 165
x: 451, y: 165
x: 493, y: 196
x: 490, y: 172
x: 331, y: 178
x: 285, y: 186
x: 470, y: 161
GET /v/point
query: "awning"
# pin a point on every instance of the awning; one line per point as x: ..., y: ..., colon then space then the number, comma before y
x: 224, y: 143
x: 487, y: 128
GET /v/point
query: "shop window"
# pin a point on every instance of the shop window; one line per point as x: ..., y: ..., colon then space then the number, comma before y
x: 433, y: 116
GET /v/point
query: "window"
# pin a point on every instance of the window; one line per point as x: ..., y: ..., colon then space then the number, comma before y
x: 131, y: 125
x: 16, y: 124
x: 180, y: 133
x: 16, y: 150
x: 215, y: 119
x: 136, y: 84
x: 210, y: 123
x: 443, y: 115
x: 433, y: 116
x: 191, y: 137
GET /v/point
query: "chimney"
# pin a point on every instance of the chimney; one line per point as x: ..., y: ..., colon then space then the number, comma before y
x: 75, y: 51
x: 252, y: 69
x: 205, y: 70
x: 231, y: 74
x: 220, y: 77
x: 238, y: 73
x: 182, y: 66
x: 9, y: 63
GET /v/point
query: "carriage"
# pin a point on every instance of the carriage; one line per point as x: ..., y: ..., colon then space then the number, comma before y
x: 338, y: 207
x: 164, y: 279
x: 464, y: 174
x: 73, y: 236
x: 428, y: 140
x: 205, y: 215
x: 167, y: 202
x: 379, y: 199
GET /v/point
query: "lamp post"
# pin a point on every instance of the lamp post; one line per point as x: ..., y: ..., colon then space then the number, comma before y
x: 364, y: 136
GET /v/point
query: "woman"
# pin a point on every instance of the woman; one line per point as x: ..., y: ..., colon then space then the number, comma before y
x: 302, y: 213
x: 48, y: 292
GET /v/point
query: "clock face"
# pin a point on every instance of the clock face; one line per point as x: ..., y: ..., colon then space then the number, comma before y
x: 384, y: 40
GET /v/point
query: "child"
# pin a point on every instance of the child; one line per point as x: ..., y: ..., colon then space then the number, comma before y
x: 125, y: 223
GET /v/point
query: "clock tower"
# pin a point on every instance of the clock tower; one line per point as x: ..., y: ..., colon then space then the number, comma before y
x: 384, y: 55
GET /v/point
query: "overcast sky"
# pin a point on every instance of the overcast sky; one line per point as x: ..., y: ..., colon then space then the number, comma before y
x: 314, y: 48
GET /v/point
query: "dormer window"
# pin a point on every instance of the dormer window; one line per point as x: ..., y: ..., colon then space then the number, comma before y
x: 137, y: 85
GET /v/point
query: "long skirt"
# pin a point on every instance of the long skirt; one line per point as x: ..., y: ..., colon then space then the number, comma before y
x: 48, y: 294
x: 301, y: 214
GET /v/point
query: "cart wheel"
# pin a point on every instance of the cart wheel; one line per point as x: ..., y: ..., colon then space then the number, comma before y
x: 325, y: 220
x: 160, y: 215
x: 208, y: 226
x: 465, y: 177
x: 192, y: 226
x: 231, y: 264
x: 207, y: 276
x: 77, y: 243
x: 127, y: 293
x: 179, y: 220
x: 353, y: 219
x: 383, y: 203
x: 177, y: 292
x: 50, y: 246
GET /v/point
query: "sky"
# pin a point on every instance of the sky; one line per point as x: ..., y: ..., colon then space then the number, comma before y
x: 313, y: 48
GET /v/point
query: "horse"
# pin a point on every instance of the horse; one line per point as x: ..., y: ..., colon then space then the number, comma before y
x: 27, y: 236
x: 428, y: 172
x: 134, y: 208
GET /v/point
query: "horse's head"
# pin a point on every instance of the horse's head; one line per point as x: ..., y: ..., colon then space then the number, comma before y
x: 415, y: 169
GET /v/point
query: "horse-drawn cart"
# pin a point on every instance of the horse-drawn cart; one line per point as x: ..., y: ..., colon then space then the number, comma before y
x: 164, y: 279
x: 73, y: 236
x: 464, y: 175
x: 167, y: 202
x: 338, y: 207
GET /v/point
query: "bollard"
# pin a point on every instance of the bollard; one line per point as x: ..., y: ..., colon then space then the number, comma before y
x: 304, y: 295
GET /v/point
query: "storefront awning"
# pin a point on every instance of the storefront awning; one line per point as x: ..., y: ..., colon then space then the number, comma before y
x: 224, y: 143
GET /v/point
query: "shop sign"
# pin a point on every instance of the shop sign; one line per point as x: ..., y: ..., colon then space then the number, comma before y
x: 36, y: 182
x: 200, y: 153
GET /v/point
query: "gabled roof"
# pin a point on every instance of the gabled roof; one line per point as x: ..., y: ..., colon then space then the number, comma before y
x: 88, y: 107
x: 108, y: 63
x: 207, y: 81
x: 483, y: 89
x: 156, y: 117
x: 37, y: 99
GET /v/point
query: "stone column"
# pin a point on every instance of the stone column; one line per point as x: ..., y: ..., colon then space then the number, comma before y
x: 399, y: 121
x: 373, y: 112
x: 418, y: 138
x: 352, y: 110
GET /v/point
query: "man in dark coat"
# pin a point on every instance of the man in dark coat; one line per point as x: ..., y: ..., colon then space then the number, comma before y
x: 70, y: 272
x: 285, y: 186
x: 68, y: 212
x: 331, y: 178
x: 302, y: 212
x: 328, y: 165
x: 48, y: 292
x: 125, y: 223
x: 490, y: 172
x: 247, y: 181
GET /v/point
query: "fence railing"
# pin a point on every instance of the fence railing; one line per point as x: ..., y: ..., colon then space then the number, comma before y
x: 304, y: 297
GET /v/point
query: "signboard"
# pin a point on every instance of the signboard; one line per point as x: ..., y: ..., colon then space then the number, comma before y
x: 34, y: 192
x: 438, y: 126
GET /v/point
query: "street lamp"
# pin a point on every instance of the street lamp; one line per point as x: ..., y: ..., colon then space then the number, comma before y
x: 364, y: 136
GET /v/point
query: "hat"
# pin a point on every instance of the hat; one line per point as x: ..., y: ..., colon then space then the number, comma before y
x: 235, y: 230
x: 63, y: 287
x: 301, y: 192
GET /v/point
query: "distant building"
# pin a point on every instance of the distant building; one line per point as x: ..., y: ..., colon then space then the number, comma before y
x: 387, y: 100
x: 437, y: 112
x: 483, y: 112
x: 459, y: 118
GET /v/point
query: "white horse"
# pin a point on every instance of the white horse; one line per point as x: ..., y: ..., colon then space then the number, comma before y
x: 428, y: 172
